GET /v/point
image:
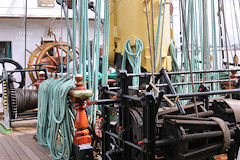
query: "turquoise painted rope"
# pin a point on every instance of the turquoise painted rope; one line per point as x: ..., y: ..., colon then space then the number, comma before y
x: 54, y: 117
x: 106, y: 41
x: 96, y: 46
x: 133, y: 58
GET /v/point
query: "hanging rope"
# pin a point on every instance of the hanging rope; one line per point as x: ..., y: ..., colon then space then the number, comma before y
x: 106, y: 41
x: 55, y: 120
x: 96, y: 48
x: 133, y: 58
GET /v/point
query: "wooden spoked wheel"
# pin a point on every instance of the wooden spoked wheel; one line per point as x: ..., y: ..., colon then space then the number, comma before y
x: 41, y: 57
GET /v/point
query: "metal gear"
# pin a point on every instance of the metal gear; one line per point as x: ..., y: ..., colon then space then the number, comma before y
x: 13, y: 103
x: 8, y: 62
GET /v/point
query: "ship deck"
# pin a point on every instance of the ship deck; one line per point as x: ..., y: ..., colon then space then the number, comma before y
x: 20, y: 144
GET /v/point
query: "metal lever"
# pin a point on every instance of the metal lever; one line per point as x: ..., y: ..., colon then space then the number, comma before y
x: 167, y: 99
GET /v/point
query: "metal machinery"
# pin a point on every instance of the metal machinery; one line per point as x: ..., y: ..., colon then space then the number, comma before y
x: 148, y: 127
x: 15, y: 99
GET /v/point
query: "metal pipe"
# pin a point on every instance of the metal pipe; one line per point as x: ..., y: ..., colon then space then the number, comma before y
x: 201, y: 114
x: 196, y: 122
x: 180, y: 72
x: 163, y: 143
x: 27, y: 70
x: 207, y: 149
x: 205, y: 71
x: 191, y: 116
x: 190, y: 137
x: 107, y: 101
x: 132, y: 98
x: 110, y: 92
x: 204, y: 93
x: 113, y: 88
x: 23, y: 119
x: 126, y: 142
x: 196, y: 82
x: 28, y: 113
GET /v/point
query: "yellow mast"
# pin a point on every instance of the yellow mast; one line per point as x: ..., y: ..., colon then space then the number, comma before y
x: 128, y: 20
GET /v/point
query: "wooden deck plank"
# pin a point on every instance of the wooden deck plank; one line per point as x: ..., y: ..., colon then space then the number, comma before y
x: 3, y: 153
x: 17, y: 148
x: 44, y: 149
x: 27, y: 150
x: 9, y: 149
x: 34, y: 147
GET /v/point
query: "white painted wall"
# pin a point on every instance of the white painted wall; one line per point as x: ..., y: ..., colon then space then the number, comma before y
x: 12, y: 29
x: 40, y: 19
x: 16, y: 8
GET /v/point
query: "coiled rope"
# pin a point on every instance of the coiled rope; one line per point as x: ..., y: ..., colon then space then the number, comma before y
x: 133, y: 58
x: 55, y: 120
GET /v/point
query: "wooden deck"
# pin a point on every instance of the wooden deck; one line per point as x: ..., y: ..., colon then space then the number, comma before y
x: 20, y: 145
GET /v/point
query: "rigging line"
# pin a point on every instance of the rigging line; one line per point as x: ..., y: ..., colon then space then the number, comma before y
x: 225, y: 28
x: 236, y: 21
x: 115, y: 7
x: 230, y: 47
x: 74, y: 37
x: 239, y: 3
x: 61, y: 42
x: 204, y: 39
x: 189, y: 60
x: 231, y: 10
x: 160, y: 60
x: 149, y: 41
x: 158, y: 28
x: 25, y: 40
x: 181, y: 47
x: 154, y: 56
x: 220, y: 30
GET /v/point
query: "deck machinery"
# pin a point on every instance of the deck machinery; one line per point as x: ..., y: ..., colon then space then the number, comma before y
x: 152, y: 124
x: 149, y: 128
x: 15, y: 98
x: 148, y: 122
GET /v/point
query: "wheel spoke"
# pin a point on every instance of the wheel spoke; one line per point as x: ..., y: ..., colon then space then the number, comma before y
x: 57, y: 48
x: 14, y: 70
x: 3, y: 64
x: 18, y: 82
x: 54, y: 61
x: 49, y: 66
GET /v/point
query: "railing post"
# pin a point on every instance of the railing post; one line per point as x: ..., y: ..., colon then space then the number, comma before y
x: 82, y: 148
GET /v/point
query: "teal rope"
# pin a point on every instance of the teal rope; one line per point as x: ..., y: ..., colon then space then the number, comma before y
x: 96, y: 41
x: 80, y: 37
x: 106, y: 41
x: 54, y: 118
x: 84, y: 20
x: 133, y: 58
x: 160, y: 59
x: 74, y: 35
x: 88, y: 49
x: 158, y: 28
x: 61, y: 41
